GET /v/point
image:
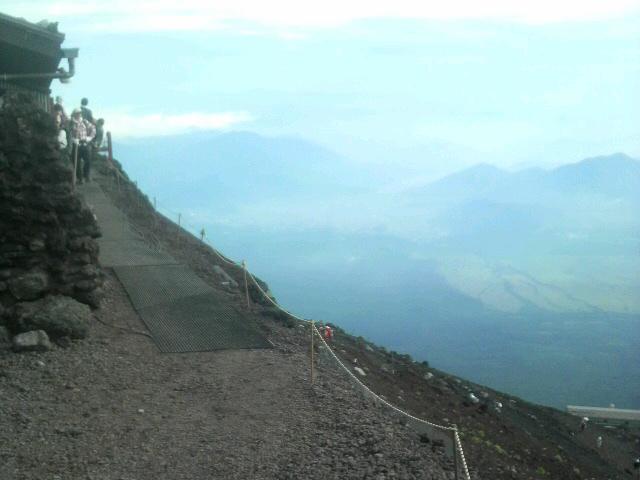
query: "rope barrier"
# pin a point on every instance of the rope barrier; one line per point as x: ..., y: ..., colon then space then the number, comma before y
x: 223, y: 258
x: 458, y: 446
x: 378, y: 397
x: 375, y: 395
x: 168, y: 213
x: 458, y: 450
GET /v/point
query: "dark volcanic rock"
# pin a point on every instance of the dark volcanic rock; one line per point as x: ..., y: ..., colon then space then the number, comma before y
x: 5, y: 338
x: 29, y: 286
x: 34, y: 341
x: 47, y: 233
x: 57, y: 315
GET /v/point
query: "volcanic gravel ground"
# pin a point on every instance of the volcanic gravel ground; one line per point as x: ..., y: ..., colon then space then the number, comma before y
x: 112, y: 407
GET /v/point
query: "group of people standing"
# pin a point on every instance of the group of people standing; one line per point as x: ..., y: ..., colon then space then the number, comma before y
x: 79, y: 136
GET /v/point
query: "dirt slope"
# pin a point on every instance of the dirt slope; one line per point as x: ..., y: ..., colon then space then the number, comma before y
x: 111, y: 407
x: 523, y: 441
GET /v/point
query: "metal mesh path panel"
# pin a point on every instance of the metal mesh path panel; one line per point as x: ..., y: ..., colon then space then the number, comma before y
x: 157, y: 284
x: 113, y: 223
x: 115, y: 253
x: 200, y: 323
x: 91, y: 191
x: 182, y: 312
x: 119, y: 244
x: 115, y: 229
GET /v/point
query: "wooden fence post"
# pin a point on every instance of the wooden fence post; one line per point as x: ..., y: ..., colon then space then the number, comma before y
x: 178, y: 229
x: 115, y: 171
x: 312, y: 352
x: 109, y: 148
x: 246, y: 285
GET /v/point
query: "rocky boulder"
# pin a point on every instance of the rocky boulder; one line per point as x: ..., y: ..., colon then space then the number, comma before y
x: 5, y: 338
x: 30, y: 286
x: 34, y: 341
x: 57, y: 315
x: 360, y: 371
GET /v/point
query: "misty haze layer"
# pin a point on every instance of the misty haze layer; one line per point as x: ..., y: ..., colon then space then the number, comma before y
x: 526, y: 281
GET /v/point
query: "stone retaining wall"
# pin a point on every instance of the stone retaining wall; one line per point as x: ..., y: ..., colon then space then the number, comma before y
x: 47, y: 233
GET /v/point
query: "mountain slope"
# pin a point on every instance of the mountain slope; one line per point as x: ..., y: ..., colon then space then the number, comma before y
x: 616, y: 175
x: 234, y: 167
x: 526, y: 260
x: 557, y: 226
x: 518, y: 441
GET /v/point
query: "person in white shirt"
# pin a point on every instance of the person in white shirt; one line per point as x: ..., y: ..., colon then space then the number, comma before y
x: 82, y: 133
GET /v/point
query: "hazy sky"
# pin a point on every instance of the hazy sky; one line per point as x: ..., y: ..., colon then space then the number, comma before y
x: 435, y: 84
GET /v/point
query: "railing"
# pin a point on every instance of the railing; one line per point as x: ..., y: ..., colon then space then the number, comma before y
x: 41, y: 99
x: 447, y: 434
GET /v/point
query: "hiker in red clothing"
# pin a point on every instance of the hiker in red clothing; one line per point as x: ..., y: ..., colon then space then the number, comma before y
x: 328, y: 333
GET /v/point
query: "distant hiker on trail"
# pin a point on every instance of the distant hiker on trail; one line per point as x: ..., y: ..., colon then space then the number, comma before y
x: 583, y: 423
x: 87, y: 114
x: 97, y: 142
x: 60, y: 116
x: 62, y: 139
x: 599, y: 442
x: 96, y: 145
x: 328, y: 333
x: 61, y: 124
x: 82, y: 133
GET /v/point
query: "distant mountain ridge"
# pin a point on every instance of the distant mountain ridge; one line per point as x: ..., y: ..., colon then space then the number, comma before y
x: 261, y: 166
x: 521, y: 261
x: 555, y: 226
x: 212, y: 167
x: 599, y: 191
x: 616, y: 174
x: 572, y: 231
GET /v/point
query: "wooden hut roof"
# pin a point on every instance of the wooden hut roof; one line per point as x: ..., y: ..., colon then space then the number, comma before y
x: 29, y: 48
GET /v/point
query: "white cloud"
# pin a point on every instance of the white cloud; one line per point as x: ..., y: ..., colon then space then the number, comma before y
x: 125, y: 124
x: 148, y: 15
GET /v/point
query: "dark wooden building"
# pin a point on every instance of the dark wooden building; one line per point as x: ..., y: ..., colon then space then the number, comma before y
x: 30, y: 56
